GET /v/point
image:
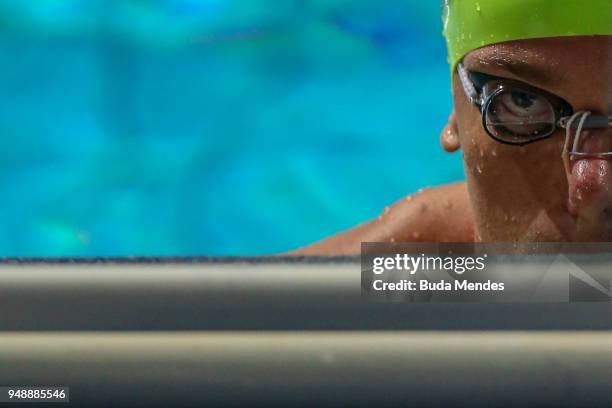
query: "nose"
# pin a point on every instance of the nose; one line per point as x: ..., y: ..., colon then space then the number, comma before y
x: 588, y: 164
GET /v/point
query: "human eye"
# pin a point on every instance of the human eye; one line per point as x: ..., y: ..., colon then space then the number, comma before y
x: 522, y: 106
x: 519, y: 115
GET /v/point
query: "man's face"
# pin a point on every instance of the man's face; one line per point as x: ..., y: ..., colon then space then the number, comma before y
x: 525, y: 193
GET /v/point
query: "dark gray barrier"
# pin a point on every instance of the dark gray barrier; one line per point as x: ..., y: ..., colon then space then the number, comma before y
x: 245, y: 295
x: 278, y: 347
x: 413, y: 369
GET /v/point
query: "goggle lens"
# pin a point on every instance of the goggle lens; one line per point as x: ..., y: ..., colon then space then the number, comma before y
x: 518, y: 116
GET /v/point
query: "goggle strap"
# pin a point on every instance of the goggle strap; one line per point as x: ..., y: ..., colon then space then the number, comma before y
x: 467, y: 84
x: 605, y: 155
x: 568, y: 134
x: 592, y: 122
x: 583, y: 119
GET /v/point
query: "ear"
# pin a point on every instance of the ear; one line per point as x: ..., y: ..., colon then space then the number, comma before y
x: 449, y: 137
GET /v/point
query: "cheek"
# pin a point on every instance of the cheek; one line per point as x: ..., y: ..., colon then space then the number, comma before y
x: 481, y: 154
x: 524, y: 168
x: 511, y: 187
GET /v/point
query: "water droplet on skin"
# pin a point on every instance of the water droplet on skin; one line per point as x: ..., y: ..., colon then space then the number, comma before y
x: 416, y: 235
x: 392, y: 240
x: 481, y: 153
x: 513, y: 219
x: 506, y: 218
x: 479, y: 168
x: 494, y: 153
x: 409, y: 198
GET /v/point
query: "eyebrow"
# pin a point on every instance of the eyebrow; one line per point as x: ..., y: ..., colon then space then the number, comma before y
x: 537, y: 73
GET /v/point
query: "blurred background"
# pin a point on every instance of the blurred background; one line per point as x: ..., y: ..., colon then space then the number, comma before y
x: 213, y: 127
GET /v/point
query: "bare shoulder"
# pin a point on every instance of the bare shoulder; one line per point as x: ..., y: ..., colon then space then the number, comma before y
x: 441, y: 214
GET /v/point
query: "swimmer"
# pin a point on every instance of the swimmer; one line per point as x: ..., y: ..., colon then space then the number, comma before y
x: 532, y: 94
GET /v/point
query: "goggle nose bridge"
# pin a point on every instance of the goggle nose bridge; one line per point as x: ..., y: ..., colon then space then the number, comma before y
x: 583, y: 120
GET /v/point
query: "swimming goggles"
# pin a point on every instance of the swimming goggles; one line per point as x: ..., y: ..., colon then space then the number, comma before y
x: 518, y: 114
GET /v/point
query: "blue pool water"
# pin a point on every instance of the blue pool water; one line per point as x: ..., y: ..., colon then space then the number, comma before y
x: 213, y: 127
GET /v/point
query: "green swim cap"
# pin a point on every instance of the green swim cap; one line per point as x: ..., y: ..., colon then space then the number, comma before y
x: 471, y: 24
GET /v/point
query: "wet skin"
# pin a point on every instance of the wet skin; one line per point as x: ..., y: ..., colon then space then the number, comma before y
x: 513, y: 194
x: 525, y: 193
